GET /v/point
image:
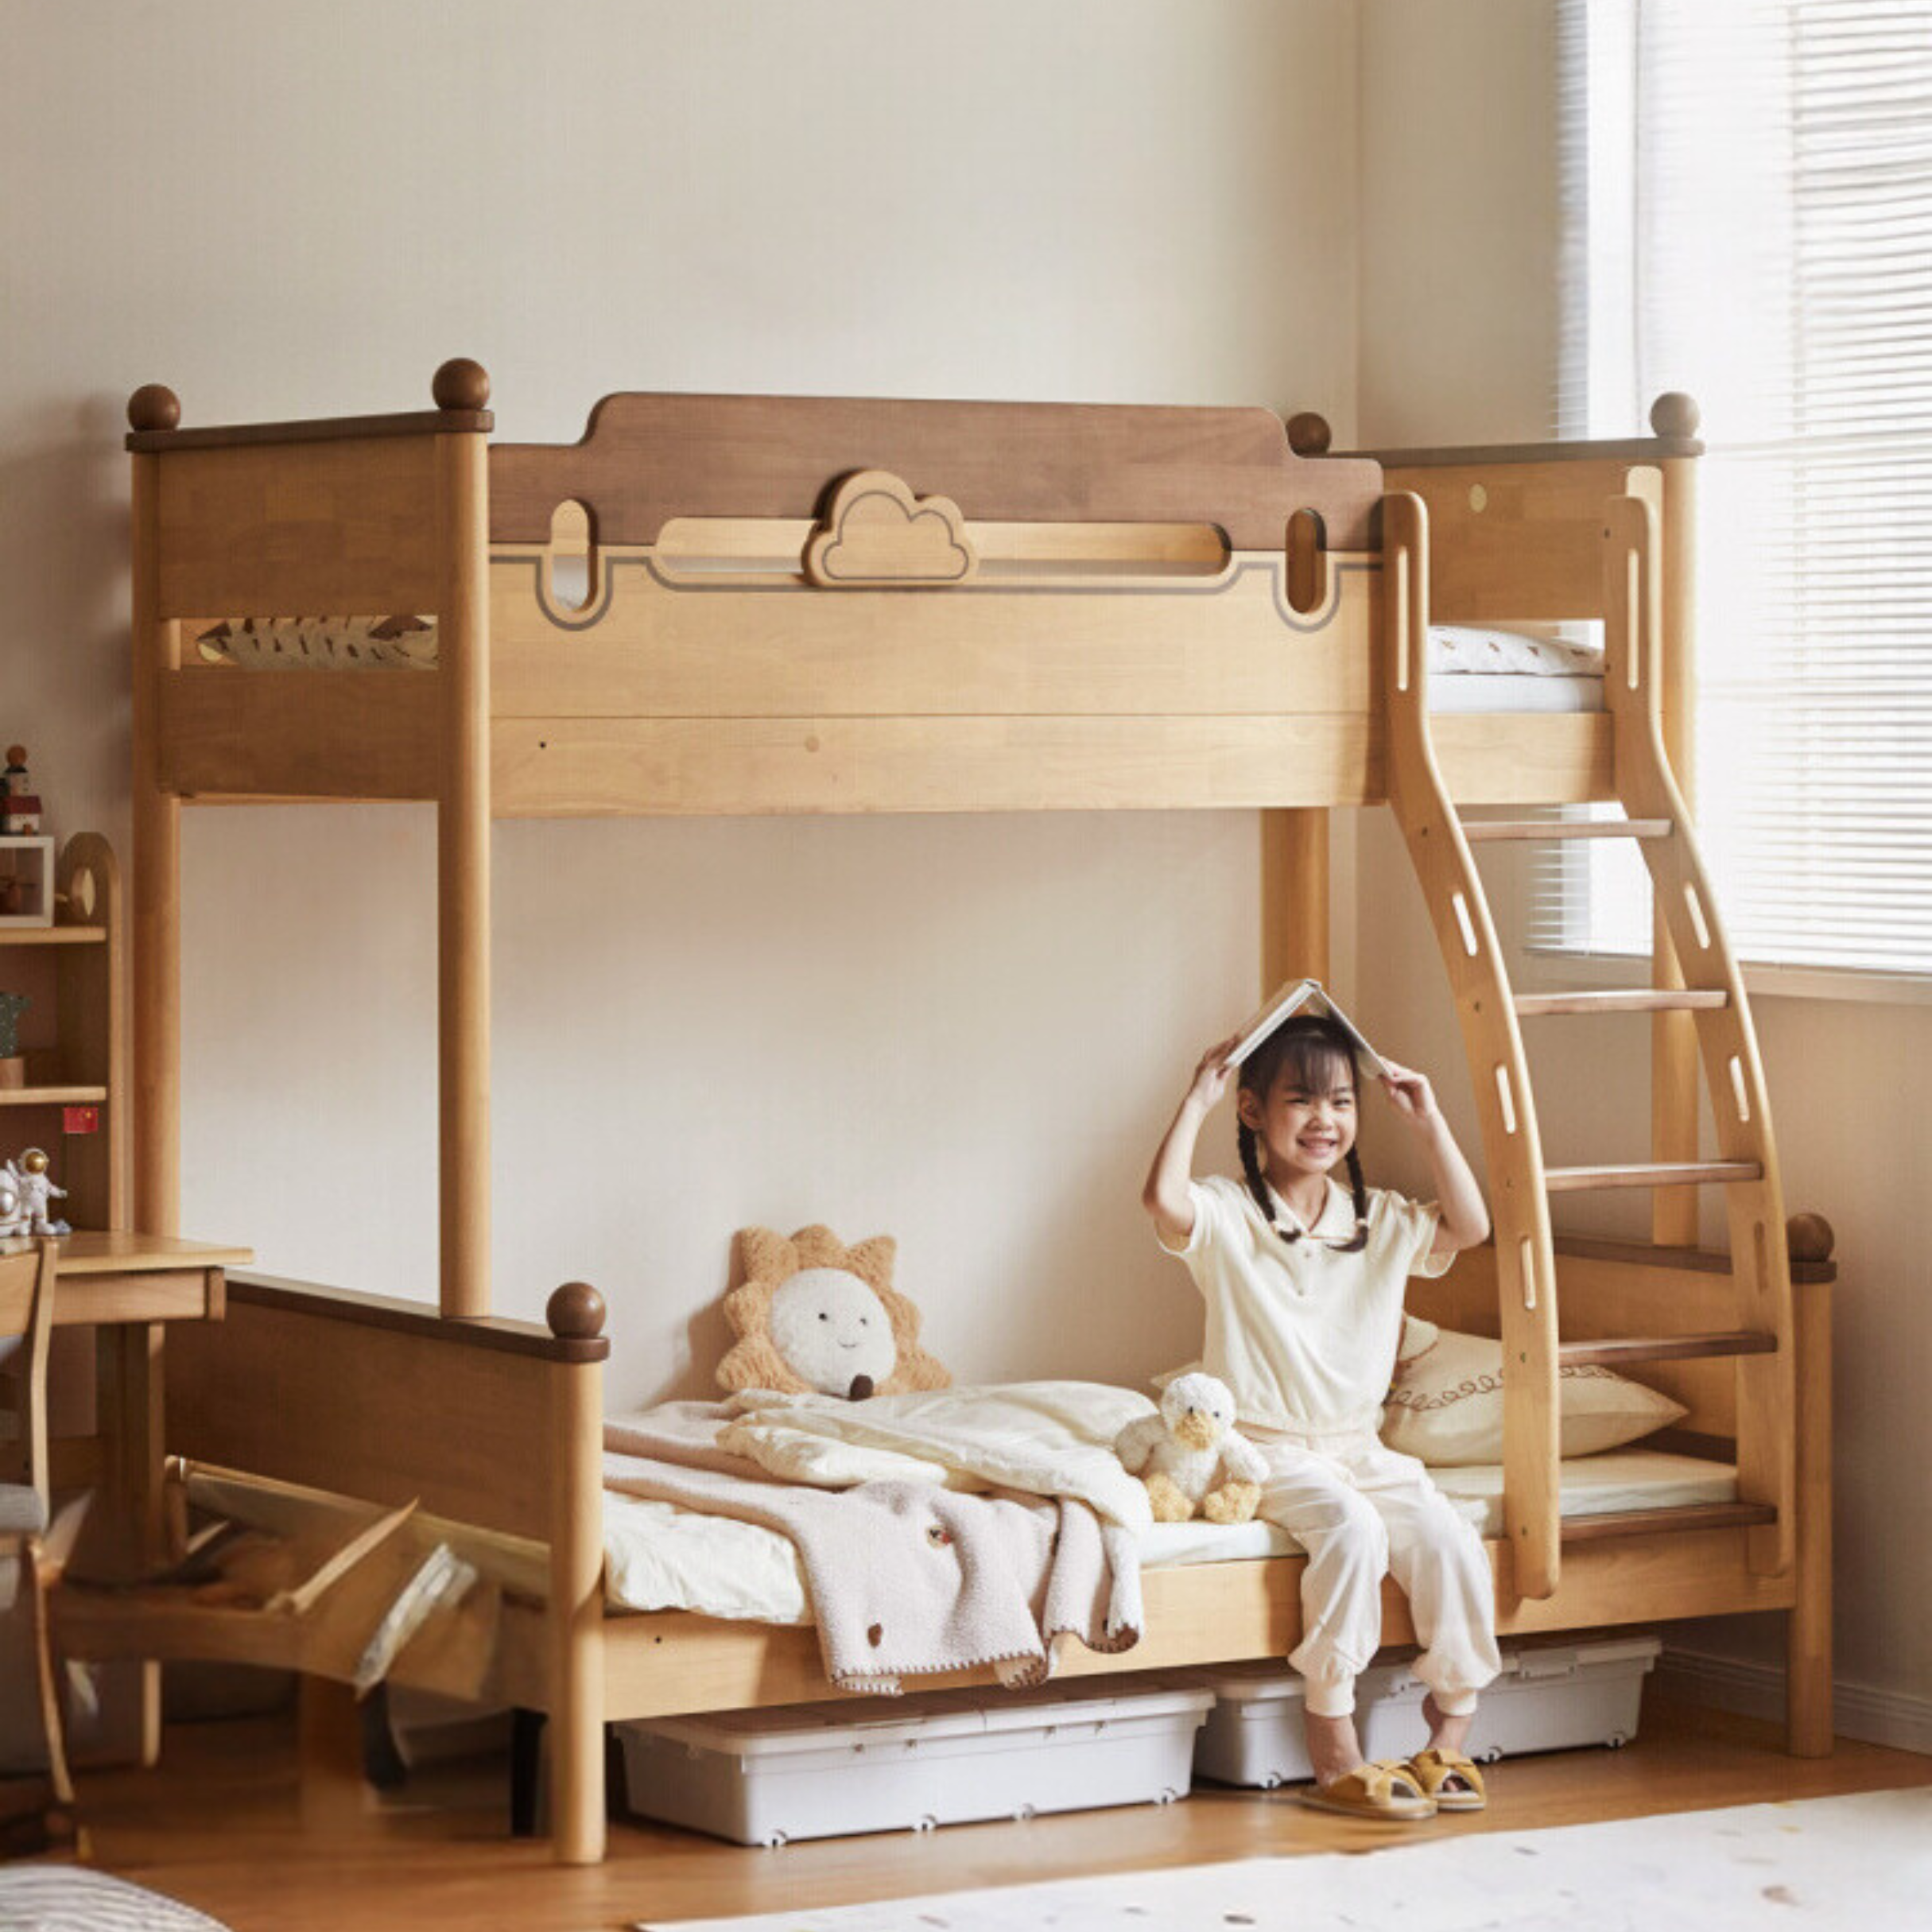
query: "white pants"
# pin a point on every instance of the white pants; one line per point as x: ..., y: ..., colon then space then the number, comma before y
x: 1361, y: 1512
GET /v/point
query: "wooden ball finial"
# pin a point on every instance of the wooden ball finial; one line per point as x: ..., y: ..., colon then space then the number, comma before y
x: 575, y: 1312
x: 1308, y: 434
x: 1675, y: 414
x: 153, y: 406
x: 461, y: 384
x: 1809, y: 1237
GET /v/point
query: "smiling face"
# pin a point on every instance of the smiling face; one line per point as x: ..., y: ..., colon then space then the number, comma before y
x: 1305, y: 1118
x: 831, y: 1329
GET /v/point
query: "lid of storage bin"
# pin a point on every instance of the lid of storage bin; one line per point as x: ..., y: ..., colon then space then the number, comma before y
x: 1559, y: 1659
x: 781, y: 1728
x: 884, y: 1722
x: 1098, y: 1700
x: 1266, y: 1682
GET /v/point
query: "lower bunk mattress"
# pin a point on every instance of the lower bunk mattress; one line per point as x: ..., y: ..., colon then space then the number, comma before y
x: 658, y: 1556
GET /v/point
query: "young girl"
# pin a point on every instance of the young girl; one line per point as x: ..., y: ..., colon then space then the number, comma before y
x: 1304, y: 1285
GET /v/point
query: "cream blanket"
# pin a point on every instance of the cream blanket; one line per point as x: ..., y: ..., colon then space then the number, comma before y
x: 927, y: 1561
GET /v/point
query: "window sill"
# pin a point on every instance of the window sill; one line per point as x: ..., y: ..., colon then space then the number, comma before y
x: 1761, y: 982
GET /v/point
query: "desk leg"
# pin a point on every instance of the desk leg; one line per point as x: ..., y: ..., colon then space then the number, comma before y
x: 131, y: 1420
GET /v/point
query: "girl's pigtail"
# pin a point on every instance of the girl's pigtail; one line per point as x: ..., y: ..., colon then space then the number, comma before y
x: 1360, y: 1191
x: 1257, y: 1182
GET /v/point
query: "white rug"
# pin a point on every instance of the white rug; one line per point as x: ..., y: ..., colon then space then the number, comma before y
x: 1862, y: 1863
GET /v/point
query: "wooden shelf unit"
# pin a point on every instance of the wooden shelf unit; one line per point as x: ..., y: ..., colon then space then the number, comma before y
x: 74, y: 1035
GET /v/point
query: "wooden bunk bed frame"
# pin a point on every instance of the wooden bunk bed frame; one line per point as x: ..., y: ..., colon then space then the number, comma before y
x: 811, y: 605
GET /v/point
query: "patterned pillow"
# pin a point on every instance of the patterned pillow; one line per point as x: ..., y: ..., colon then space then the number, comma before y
x: 1445, y: 1405
x: 71, y: 1899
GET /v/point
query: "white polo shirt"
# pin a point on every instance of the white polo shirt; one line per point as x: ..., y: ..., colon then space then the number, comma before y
x: 1302, y: 1333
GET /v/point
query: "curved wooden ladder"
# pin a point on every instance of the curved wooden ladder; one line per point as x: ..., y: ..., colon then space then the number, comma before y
x: 1712, y: 992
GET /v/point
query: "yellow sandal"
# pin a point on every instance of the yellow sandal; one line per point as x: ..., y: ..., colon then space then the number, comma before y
x: 1390, y: 1791
x: 1432, y: 1769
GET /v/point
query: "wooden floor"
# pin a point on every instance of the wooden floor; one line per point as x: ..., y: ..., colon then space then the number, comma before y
x: 229, y: 1825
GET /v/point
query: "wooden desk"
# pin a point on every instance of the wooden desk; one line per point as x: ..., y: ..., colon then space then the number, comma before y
x: 127, y: 1286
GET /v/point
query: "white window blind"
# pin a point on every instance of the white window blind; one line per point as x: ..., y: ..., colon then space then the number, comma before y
x: 1748, y: 197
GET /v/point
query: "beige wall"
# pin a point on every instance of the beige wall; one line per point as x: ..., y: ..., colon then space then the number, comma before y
x: 966, y: 1031
x: 1459, y: 343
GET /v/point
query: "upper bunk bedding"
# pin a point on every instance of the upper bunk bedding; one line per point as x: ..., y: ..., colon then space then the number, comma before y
x: 1472, y: 669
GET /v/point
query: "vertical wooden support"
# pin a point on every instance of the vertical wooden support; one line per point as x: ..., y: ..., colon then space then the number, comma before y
x: 1519, y: 1203
x: 462, y: 871
x: 157, y: 876
x: 575, y: 1730
x: 128, y: 1365
x: 1727, y: 1041
x: 1808, y: 1633
x: 1674, y: 1087
x: 1294, y: 897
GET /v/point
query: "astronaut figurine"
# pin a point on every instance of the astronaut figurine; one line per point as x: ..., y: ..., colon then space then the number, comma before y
x: 36, y: 1191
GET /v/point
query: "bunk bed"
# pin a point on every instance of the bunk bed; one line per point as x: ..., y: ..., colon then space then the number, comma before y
x: 756, y: 604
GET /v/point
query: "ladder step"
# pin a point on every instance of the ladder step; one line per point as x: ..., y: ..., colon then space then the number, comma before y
x: 1643, y: 1521
x: 1481, y: 831
x: 1666, y: 1173
x: 1624, y: 999
x: 1610, y: 1351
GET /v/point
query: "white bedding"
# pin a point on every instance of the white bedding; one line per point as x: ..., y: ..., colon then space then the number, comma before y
x: 1473, y: 668
x: 660, y: 1557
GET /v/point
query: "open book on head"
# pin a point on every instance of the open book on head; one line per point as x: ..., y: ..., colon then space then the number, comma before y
x: 1307, y: 996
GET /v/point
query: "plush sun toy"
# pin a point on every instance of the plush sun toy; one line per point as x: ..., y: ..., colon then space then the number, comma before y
x: 814, y: 1315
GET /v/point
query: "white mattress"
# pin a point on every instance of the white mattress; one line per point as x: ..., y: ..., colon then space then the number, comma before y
x: 658, y: 1557
x: 1472, y: 668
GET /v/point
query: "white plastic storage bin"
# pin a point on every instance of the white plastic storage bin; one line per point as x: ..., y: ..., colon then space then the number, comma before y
x: 1549, y: 1697
x: 762, y: 1777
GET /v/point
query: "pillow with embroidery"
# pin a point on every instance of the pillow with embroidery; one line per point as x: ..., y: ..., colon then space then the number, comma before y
x: 1445, y: 1405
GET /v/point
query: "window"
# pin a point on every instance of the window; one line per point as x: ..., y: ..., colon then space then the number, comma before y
x: 1749, y: 203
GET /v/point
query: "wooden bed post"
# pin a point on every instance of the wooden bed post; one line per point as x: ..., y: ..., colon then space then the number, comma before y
x: 1674, y: 1084
x: 462, y: 847
x: 1294, y: 897
x: 157, y: 855
x: 575, y: 1312
x: 1808, y: 1630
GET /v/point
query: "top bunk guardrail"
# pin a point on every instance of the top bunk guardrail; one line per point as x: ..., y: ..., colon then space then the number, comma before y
x: 743, y: 603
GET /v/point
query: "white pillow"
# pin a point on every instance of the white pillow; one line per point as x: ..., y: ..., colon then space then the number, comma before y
x: 1445, y: 1405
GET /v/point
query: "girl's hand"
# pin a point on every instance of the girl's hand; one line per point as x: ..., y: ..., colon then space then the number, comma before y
x: 1212, y: 1075
x: 1410, y: 1095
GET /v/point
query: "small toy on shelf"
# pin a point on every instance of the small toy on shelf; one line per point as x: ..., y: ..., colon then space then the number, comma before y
x: 12, y: 1067
x: 20, y: 806
x: 35, y: 1193
x: 1190, y: 1456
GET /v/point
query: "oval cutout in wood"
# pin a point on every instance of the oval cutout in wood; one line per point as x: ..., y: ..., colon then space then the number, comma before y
x: 1737, y: 1090
x: 570, y: 570
x: 1308, y: 563
x: 1526, y: 1254
x: 1506, y: 1098
x: 1467, y: 924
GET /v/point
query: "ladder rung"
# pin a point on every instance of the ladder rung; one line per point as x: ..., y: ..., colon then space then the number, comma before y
x: 1480, y: 830
x: 1609, y: 1350
x: 1643, y: 1521
x: 1664, y: 1174
x: 1624, y: 999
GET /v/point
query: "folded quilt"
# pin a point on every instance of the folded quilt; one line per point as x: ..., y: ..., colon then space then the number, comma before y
x: 910, y: 1573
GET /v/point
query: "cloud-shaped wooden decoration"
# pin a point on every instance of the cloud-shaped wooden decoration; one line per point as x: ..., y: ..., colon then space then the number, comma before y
x: 877, y: 532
